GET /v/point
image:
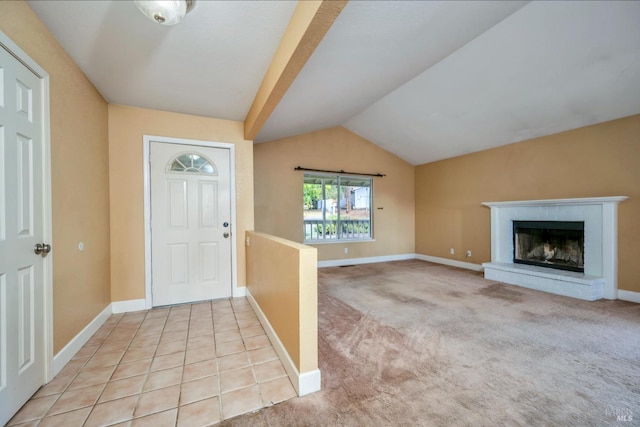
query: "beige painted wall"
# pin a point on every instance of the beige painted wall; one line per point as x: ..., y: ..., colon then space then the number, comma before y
x: 282, y: 276
x: 79, y: 176
x: 278, y: 189
x: 599, y: 160
x: 127, y: 126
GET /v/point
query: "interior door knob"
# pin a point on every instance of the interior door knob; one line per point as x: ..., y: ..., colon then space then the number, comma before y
x: 42, y: 249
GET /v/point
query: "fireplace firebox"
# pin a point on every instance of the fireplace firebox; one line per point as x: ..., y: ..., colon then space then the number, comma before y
x: 552, y: 244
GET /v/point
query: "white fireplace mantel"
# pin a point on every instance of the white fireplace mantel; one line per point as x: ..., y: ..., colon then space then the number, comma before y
x: 600, y: 215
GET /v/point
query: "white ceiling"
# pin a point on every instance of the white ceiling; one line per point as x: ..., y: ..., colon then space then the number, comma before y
x: 424, y: 80
x: 211, y: 64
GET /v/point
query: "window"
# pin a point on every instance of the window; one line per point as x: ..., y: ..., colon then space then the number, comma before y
x: 337, y: 207
x: 191, y: 163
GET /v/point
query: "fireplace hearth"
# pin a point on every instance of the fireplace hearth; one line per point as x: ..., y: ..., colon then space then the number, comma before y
x: 527, y: 238
x: 551, y: 244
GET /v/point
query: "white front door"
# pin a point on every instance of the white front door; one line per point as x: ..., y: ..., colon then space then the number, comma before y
x: 22, y: 352
x: 190, y: 223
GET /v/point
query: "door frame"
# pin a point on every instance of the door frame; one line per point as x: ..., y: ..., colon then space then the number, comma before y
x: 47, y: 226
x: 147, y: 140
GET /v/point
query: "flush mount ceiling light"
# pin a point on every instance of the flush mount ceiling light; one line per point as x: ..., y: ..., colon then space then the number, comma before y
x: 165, y: 12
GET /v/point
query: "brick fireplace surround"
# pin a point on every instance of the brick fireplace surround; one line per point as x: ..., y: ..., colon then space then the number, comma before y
x: 600, y: 277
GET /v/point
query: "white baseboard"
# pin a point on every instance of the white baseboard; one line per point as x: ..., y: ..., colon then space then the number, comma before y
x: 129, y: 305
x: 309, y: 382
x: 305, y: 383
x: 450, y: 262
x: 367, y: 260
x: 629, y: 296
x: 76, y: 343
x: 239, y: 292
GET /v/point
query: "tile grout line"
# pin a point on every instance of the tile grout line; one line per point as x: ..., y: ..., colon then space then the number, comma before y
x: 153, y: 358
x: 116, y: 367
x: 219, y: 381
x: 186, y: 344
x: 121, y: 325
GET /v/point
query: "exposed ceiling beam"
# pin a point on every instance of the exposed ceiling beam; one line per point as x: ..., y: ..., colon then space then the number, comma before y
x: 310, y: 22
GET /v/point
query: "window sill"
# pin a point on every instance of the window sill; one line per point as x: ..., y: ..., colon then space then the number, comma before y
x: 336, y: 241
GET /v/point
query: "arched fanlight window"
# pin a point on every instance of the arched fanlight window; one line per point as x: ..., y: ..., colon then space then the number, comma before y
x: 192, y: 163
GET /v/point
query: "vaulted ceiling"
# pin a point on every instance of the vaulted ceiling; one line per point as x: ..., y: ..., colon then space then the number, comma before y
x: 426, y: 80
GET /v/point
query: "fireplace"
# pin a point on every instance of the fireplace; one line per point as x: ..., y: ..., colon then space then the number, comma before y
x: 576, y: 237
x: 551, y: 244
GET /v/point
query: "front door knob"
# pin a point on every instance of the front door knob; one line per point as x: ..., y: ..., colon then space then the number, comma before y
x: 226, y: 235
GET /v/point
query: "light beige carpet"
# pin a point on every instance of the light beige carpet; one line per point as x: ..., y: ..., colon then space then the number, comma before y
x: 415, y: 343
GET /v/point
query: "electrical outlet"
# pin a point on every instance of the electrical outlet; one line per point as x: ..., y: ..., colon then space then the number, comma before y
x: 452, y: 251
x: 469, y: 254
x: 346, y: 250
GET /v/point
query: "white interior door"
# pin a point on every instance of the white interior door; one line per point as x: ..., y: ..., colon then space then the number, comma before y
x: 22, y: 352
x: 190, y: 223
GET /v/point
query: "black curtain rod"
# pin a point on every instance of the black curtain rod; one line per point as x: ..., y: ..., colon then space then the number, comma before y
x: 298, y: 168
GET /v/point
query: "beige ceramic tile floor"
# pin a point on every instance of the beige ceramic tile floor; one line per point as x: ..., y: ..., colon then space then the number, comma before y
x: 188, y: 365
